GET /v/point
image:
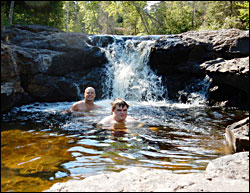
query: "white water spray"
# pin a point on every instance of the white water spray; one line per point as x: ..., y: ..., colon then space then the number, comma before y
x: 200, y: 97
x: 129, y: 75
x: 197, y: 92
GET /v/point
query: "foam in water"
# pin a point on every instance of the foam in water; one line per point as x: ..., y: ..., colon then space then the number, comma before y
x: 197, y: 92
x: 128, y: 73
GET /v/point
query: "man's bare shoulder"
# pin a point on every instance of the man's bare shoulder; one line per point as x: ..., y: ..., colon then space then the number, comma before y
x: 106, y: 120
x: 79, y: 102
x: 78, y: 106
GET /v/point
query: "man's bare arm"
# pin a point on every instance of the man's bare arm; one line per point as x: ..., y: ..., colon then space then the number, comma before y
x: 74, y: 108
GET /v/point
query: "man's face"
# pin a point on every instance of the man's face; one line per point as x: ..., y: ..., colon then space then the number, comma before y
x: 89, y: 94
x: 120, y: 113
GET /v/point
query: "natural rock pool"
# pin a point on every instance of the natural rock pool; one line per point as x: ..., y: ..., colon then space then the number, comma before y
x: 40, y: 146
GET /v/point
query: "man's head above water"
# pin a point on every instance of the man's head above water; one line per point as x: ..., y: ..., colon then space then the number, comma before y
x: 119, y: 112
x: 89, y: 95
x: 88, y: 103
x: 119, y: 102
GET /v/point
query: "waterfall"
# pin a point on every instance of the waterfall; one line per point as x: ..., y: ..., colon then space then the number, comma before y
x: 128, y: 73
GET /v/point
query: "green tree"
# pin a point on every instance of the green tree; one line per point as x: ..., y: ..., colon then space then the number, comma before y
x: 158, y: 10
x: 89, y: 16
x: 48, y: 13
x: 72, y: 17
x: 131, y: 17
x: 109, y: 23
x: 11, y: 12
x: 128, y: 17
x: 244, y: 14
x: 223, y: 14
x: 116, y: 13
x: 178, y: 17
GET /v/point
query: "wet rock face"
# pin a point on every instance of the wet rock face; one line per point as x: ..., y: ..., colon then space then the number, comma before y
x: 186, y: 56
x: 230, y: 81
x: 46, y: 64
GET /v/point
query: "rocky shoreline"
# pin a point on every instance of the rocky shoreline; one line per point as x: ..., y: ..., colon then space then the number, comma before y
x: 229, y: 173
x: 43, y: 64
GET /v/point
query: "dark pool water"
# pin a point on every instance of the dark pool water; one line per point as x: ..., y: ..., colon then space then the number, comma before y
x: 40, y: 147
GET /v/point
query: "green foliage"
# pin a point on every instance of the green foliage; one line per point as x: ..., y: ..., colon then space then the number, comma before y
x: 178, y: 17
x: 34, y: 12
x: 244, y: 14
x: 71, y: 12
x: 89, y: 13
x: 158, y: 11
x: 130, y: 17
x: 231, y: 22
x: 226, y: 14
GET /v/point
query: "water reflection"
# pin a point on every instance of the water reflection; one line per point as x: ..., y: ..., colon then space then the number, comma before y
x: 39, y: 146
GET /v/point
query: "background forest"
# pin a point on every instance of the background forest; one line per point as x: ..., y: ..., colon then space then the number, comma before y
x: 128, y: 17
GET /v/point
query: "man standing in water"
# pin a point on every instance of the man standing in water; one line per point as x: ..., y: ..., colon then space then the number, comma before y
x: 118, y: 115
x: 88, y: 103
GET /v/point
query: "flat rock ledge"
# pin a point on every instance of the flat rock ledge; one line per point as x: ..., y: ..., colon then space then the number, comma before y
x: 229, y: 173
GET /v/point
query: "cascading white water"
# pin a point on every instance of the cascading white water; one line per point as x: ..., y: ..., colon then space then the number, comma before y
x: 129, y: 76
x: 128, y: 73
x: 200, y: 97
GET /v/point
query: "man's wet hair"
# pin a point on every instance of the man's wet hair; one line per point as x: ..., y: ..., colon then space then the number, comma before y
x: 120, y: 102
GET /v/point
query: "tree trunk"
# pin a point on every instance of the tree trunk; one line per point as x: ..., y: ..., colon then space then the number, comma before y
x: 152, y: 18
x: 231, y: 8
x: 11, y: 12
x: 144, y: 22
x: 193, y: 14
x: 67, y: 16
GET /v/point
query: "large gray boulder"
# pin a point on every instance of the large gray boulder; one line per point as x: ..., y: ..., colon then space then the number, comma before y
x: 230, y: 81
x: 179, y: 58
x: 39, y: 63
x: 235, y: 166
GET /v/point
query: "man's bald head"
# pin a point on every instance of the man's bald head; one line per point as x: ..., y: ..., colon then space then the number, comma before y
x: 89, y: 89
x: 89, y: 94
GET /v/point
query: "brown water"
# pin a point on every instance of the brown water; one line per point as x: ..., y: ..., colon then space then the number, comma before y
x: 40, y: 148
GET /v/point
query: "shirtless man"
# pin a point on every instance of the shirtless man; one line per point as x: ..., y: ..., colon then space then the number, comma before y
x: 118, y: 115
x: 88, y: 103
